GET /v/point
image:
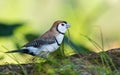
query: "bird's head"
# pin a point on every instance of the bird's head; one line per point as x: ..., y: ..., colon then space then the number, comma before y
x: 60, y: 26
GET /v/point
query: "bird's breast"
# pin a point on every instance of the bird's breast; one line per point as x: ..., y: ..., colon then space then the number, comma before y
x: 59, y: 38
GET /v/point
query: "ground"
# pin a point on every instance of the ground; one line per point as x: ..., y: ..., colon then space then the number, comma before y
x: 107, y: 63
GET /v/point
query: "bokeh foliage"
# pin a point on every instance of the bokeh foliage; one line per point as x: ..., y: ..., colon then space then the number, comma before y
x: 23, y: 20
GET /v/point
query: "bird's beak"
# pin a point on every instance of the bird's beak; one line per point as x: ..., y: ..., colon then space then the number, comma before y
x: 68, y: 25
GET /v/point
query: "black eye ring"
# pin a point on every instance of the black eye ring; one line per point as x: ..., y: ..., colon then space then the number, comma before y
x: 62, y: 24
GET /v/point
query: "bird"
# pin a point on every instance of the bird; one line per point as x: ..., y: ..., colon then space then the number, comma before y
x: 49, y: 42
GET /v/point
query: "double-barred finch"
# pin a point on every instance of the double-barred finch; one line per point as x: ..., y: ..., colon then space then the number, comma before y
x: 48, y: 42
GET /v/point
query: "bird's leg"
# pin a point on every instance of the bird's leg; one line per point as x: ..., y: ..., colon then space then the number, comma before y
x: 44, y: 54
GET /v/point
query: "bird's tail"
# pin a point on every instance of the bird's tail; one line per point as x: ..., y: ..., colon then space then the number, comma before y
x: 21, y: 51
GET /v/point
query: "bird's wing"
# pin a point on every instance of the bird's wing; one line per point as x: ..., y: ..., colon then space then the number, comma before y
x: 39, y: 42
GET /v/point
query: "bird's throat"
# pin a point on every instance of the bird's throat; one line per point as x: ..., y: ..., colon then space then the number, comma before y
x: 59, y: 38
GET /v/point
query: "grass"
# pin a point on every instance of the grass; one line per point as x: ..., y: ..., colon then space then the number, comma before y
x: 59, y: 64
x: 65, y: 66
x: 105, y: 60
x: 15, y: 59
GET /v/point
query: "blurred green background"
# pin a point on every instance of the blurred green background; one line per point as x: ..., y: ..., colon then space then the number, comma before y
x: 23, y: 20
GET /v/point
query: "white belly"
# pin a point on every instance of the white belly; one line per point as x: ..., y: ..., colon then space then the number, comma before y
x: 46, y: 49
x: 50, y: 48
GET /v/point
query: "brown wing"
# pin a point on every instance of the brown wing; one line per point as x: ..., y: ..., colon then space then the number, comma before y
x: 47, y: 38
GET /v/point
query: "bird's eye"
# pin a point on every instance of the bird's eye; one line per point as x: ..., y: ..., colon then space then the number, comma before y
x: 62, y: 24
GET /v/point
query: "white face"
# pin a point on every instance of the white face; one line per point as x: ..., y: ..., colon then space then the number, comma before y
x: 62, y: 27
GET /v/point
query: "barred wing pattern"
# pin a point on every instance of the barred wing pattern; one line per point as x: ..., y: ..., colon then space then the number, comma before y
x: 38, y: 43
